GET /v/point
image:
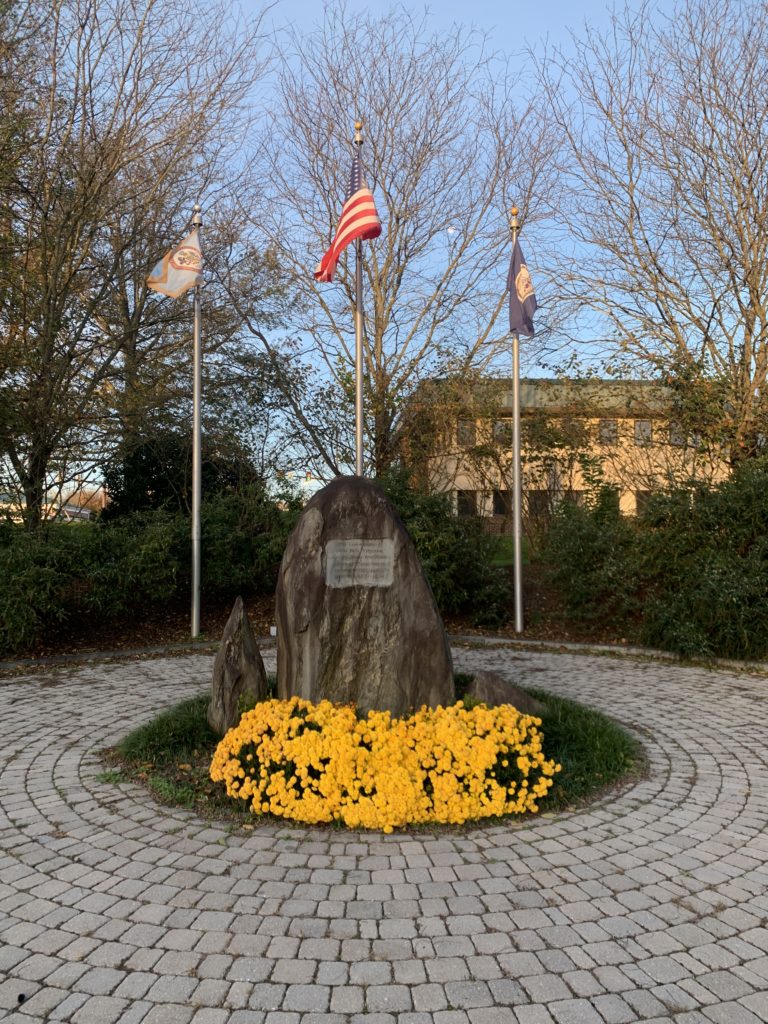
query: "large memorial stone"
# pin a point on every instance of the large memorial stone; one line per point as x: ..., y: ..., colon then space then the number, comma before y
x: 238, y: 672
x: 356, y: 619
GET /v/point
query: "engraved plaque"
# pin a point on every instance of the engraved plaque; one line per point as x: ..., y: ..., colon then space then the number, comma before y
x: 359, y: 563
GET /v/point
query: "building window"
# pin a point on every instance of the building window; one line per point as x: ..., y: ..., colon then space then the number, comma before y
x: 466, y: 433
x: 502, y: 503
x: 608, y: 431
x: 643, y: 433
x: 676, y: 435
x: 539, y: 503
x: 573, y: 497
x: 502, y: 432
x: 466, y: 503
x: 641, y: 501
x: 568, y: 429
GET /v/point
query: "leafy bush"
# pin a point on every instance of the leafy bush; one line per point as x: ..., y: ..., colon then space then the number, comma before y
x: 30, y: 594
x: 74, y: 569
x: 455, y: 553
x: 244, y: 536
x: 588, y: 550
x: 703, y: 560
x: 693, y: 566
x: 136, y: 561
x: 112, y: 569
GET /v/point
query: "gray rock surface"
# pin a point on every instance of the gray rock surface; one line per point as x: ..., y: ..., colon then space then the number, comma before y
x: 493, y: 689
x: 238, y: 671
x: 356, y: 619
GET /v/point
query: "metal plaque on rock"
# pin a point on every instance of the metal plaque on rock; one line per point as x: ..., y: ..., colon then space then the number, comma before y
x: 359, y: 563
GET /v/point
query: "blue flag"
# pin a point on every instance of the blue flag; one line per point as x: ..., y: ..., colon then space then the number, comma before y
x: 522, y: 300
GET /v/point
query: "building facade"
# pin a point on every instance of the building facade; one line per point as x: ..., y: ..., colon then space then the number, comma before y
x: 575, y: 435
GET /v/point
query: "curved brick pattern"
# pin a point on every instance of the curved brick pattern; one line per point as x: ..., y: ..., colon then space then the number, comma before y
x: 650, y: 905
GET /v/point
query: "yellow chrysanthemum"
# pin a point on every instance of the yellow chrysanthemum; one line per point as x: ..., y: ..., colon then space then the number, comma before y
x: 318, y: 763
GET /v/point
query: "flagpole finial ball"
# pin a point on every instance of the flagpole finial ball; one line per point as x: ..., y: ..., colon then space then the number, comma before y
x: 358, y: 126
x: 514, y: 211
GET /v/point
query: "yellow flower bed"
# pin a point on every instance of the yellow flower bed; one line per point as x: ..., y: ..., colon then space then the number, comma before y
x: 320, y: 763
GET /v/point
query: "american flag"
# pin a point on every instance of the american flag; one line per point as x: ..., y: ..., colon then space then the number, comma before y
x: 359, y: 219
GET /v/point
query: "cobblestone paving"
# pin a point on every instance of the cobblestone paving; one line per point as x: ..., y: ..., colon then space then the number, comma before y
x: 651, y: 905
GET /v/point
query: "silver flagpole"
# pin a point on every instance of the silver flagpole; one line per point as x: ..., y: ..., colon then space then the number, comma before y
x: 517, y: 487
x: 197, y: 387
x: 359, y: 333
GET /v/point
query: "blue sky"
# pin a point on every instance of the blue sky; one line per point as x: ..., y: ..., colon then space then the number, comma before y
x: 511, y: 25
x: 511, y: 28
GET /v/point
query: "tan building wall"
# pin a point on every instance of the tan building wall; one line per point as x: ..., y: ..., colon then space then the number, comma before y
x: 574, y: 433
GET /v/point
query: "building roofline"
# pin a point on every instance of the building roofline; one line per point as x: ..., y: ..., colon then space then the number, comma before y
x: 591, y: 396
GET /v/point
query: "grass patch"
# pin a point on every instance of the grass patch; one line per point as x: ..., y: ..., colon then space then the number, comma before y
x: 172, y: 735
x: 504, y: 550
x: 171, y: 756
x: 169, y: 791
x: 595, y: 753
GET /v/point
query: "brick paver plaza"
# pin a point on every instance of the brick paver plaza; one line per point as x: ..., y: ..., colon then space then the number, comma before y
x: 650, y: 905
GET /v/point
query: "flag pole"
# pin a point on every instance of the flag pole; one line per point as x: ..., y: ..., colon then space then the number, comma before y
x: 517, y: 488
x: 359, y: 332
x: 197, y: 381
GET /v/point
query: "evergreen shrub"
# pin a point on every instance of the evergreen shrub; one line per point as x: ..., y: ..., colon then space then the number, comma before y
x: 588, y: 550
x: 703, y: 561
x: 244, y: 536
x: 692, y: 568
x: 111, y: 569
x: 455, y: 553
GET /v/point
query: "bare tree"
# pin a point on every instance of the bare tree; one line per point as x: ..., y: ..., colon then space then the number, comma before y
x: 665, y: 158
x: 134, y: 109
x: 451, y: 139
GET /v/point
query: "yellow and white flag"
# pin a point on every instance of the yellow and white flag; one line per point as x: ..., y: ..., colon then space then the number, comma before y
x: 180, y: 269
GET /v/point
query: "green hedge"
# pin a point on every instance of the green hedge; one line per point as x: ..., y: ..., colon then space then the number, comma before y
x: 127, y: 565
x: 588, y: 549
x: 691, y: 572
x: 456, y: 553
x: 122, y: 567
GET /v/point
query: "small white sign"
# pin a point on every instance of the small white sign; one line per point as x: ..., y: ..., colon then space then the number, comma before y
x: 359, y: 563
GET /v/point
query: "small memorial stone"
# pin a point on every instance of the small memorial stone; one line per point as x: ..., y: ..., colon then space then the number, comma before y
x: 356, y: 619
x: 238, y: 671
x: 493, y: 689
